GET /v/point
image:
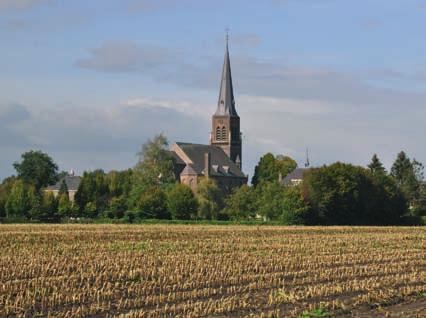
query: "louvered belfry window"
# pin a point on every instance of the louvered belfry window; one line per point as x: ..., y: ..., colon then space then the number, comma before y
x: 218, y: 135
x: 223, y: 133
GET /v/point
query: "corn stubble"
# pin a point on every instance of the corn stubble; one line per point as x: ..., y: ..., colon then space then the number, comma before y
x: 194, y: 271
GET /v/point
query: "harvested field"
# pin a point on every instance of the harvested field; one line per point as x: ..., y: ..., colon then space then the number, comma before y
x: 220, y: 271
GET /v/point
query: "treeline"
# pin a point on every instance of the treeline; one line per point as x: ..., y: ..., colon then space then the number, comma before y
x: 336, y: 194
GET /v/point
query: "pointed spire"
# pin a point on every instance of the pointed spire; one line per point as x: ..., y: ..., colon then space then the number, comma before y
x: 226, y: 102
x: 307, y: 163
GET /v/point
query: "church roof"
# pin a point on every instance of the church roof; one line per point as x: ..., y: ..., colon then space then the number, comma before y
x: 226, y: 102
x: 177, y: 159
x: 221, y: 164
x: 72, y: 183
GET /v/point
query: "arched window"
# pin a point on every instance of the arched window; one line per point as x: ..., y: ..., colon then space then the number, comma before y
x: 223, y: 133
x: 218, y: 136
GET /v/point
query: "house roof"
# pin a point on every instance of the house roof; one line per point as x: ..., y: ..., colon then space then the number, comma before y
x: 72, y: 183
x: 296, y: 174
x: 221, y: 164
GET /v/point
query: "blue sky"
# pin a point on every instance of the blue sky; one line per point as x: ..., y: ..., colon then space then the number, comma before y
x: 90, y: 81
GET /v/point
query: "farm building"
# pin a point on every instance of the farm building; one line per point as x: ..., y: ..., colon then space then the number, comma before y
x: 71, y: 181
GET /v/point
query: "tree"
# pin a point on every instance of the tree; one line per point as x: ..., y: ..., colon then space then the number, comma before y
x: 116, y: 208
x: 65, y: 208
x: 408, y: 176
x: 119, y: 182
x: 93, y: 189
x: 209, y: 198
x: 421, y: 203
x: 155, y: 168
x: 37, y: 168
x: 153, y: 205
x: 181, y: 202
x: 90, y: 210
x: 155, y: 162
x: 344, y: 194
x: 388, y: 202
x: 284, y: 165
x: 3, y: 199
x: 269, y: 168
x: 295, y: 210
x: 242, y: 203
x: 270, y: 200
x: 20, y: 199
x: 5, y: 189
x: 376, y: 167
x: 49, y: 208
x: 63, y: 189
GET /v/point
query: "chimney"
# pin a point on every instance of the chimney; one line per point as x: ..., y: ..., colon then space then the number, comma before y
x: 207, y: 164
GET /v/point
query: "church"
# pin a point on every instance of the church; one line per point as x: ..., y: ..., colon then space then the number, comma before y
x: 221, y: 159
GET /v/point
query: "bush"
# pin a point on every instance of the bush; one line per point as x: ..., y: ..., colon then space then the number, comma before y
x: 242, y: 203
x: 344, y: 194
x: 210, y: 200
x: 116, y: 208
x: 153, y: 205
x: 295, y: 210
x: 181, y: 202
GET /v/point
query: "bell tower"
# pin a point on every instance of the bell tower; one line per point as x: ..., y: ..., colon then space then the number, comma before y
x: 225, y: 121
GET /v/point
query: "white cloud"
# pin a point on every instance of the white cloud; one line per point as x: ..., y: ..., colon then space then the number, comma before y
x: 264, y: 104
x: 20, y: 4
x: 124, y: 57
x: 88, y: 138
x: 188, y: 108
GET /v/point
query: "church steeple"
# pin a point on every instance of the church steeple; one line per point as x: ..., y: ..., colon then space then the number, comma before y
x: 226, y: 102
x: 225, y: 121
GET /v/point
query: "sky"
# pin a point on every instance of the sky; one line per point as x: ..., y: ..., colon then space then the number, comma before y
x: 89, y: 82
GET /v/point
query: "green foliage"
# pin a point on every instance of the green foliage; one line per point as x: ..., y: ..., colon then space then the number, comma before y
x: 210, y: 199
x: 63, y: 189
x: 269, y: 168
x: 93, y: 189
x: 181, y: 202
x: 155, y: 163
x: 3, y: 199
x: 346, y: 194
x: 20, y: 199
x: 116, y: 208
x: 420, y: 206
x: 90, y: 210
x: 319, y: 312
x: 65, y: 207
x: 37, y: 168
x: 408, y: 175
x: 295, y: 210
x: 5, y: 189
x: 242, y: 203
x: 155, y: 168
x: 270, y: 200
x: 376, y: 167
x: 153, y: 205
x: 48, y: 210
x: 119, y: 182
